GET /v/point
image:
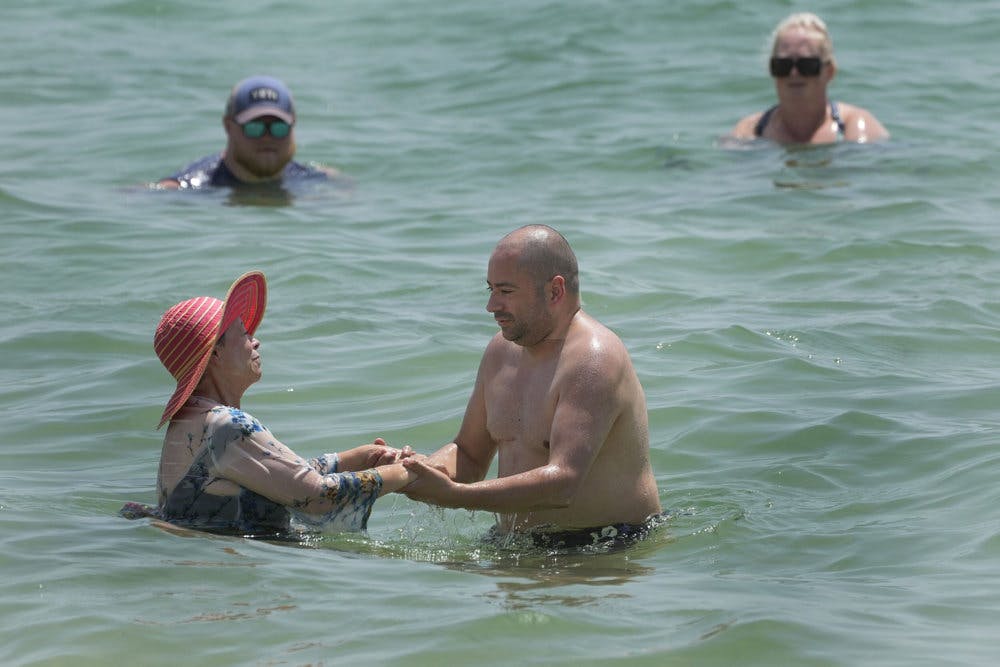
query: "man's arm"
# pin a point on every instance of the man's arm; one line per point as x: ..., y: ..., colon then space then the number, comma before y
x: 467, y: 458
x: 588, y: 404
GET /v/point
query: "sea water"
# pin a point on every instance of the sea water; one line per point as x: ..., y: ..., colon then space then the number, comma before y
x: 816, y: 329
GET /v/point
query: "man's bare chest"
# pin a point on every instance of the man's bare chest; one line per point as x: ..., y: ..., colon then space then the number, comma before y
x: 519, y: 405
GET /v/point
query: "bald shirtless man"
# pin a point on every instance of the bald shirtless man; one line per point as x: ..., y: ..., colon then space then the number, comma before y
x: 558, y: 401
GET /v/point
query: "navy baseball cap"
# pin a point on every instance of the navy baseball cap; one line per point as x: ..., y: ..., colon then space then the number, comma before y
x: 260, y: 96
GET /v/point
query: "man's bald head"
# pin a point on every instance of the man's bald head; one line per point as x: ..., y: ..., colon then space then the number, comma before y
x: 542, y: 252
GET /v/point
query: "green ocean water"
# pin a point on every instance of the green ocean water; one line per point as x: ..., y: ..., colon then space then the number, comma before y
x: 816, y: 330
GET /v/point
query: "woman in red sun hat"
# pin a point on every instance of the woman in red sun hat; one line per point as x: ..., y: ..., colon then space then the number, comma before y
x: 220, y: 468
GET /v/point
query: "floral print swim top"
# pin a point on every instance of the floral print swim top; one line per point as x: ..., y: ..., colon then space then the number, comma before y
x: 242, y: 480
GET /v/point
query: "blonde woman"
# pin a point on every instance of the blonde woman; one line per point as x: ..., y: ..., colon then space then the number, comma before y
x: 802, y: 66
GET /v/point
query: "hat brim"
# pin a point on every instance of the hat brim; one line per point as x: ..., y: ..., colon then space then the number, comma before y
x: 245, y: 300
x: 261, y: 110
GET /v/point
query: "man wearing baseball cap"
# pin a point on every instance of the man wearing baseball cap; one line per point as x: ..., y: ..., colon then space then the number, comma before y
x: 260, y: 127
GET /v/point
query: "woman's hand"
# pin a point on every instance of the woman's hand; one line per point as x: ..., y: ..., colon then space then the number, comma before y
x: 384, y: 455
x: 372, y: 455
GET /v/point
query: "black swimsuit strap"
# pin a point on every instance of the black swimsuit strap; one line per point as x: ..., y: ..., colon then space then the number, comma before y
x: 758, y: 130
x: 835, y: 115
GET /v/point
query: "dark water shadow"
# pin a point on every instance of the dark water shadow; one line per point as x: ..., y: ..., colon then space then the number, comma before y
x: 525, y: 574
x: 263, y: 195
x: 807, y: 167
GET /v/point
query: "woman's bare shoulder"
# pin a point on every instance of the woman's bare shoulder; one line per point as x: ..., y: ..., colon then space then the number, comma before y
x: 744, y: 129
x: 861, y: 124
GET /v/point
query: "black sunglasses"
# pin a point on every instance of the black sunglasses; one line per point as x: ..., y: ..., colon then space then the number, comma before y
x: 811, y: 66
x: 255, y: 129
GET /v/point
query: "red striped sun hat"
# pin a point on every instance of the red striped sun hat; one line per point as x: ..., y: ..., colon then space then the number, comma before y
x: 189, y: 330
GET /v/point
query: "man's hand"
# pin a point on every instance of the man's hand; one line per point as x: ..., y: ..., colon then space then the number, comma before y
x: 432, y: 484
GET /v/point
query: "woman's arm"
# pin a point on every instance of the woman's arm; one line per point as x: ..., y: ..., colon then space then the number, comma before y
x: 246, y: 453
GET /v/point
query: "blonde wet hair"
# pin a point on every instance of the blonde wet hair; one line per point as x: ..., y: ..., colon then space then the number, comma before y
x: 809, y: 23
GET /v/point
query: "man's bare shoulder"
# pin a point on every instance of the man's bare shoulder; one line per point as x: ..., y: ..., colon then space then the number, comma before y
x: 591, y: 347
x: 497, y: 347
x: 498, y: 353
x: 589, y: 331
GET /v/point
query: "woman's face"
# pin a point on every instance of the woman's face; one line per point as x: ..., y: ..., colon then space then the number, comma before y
x: 795, y: 43
x: 238, y: 360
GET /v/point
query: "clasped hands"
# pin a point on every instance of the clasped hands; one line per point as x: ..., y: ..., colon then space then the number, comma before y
x: 433, y: 483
